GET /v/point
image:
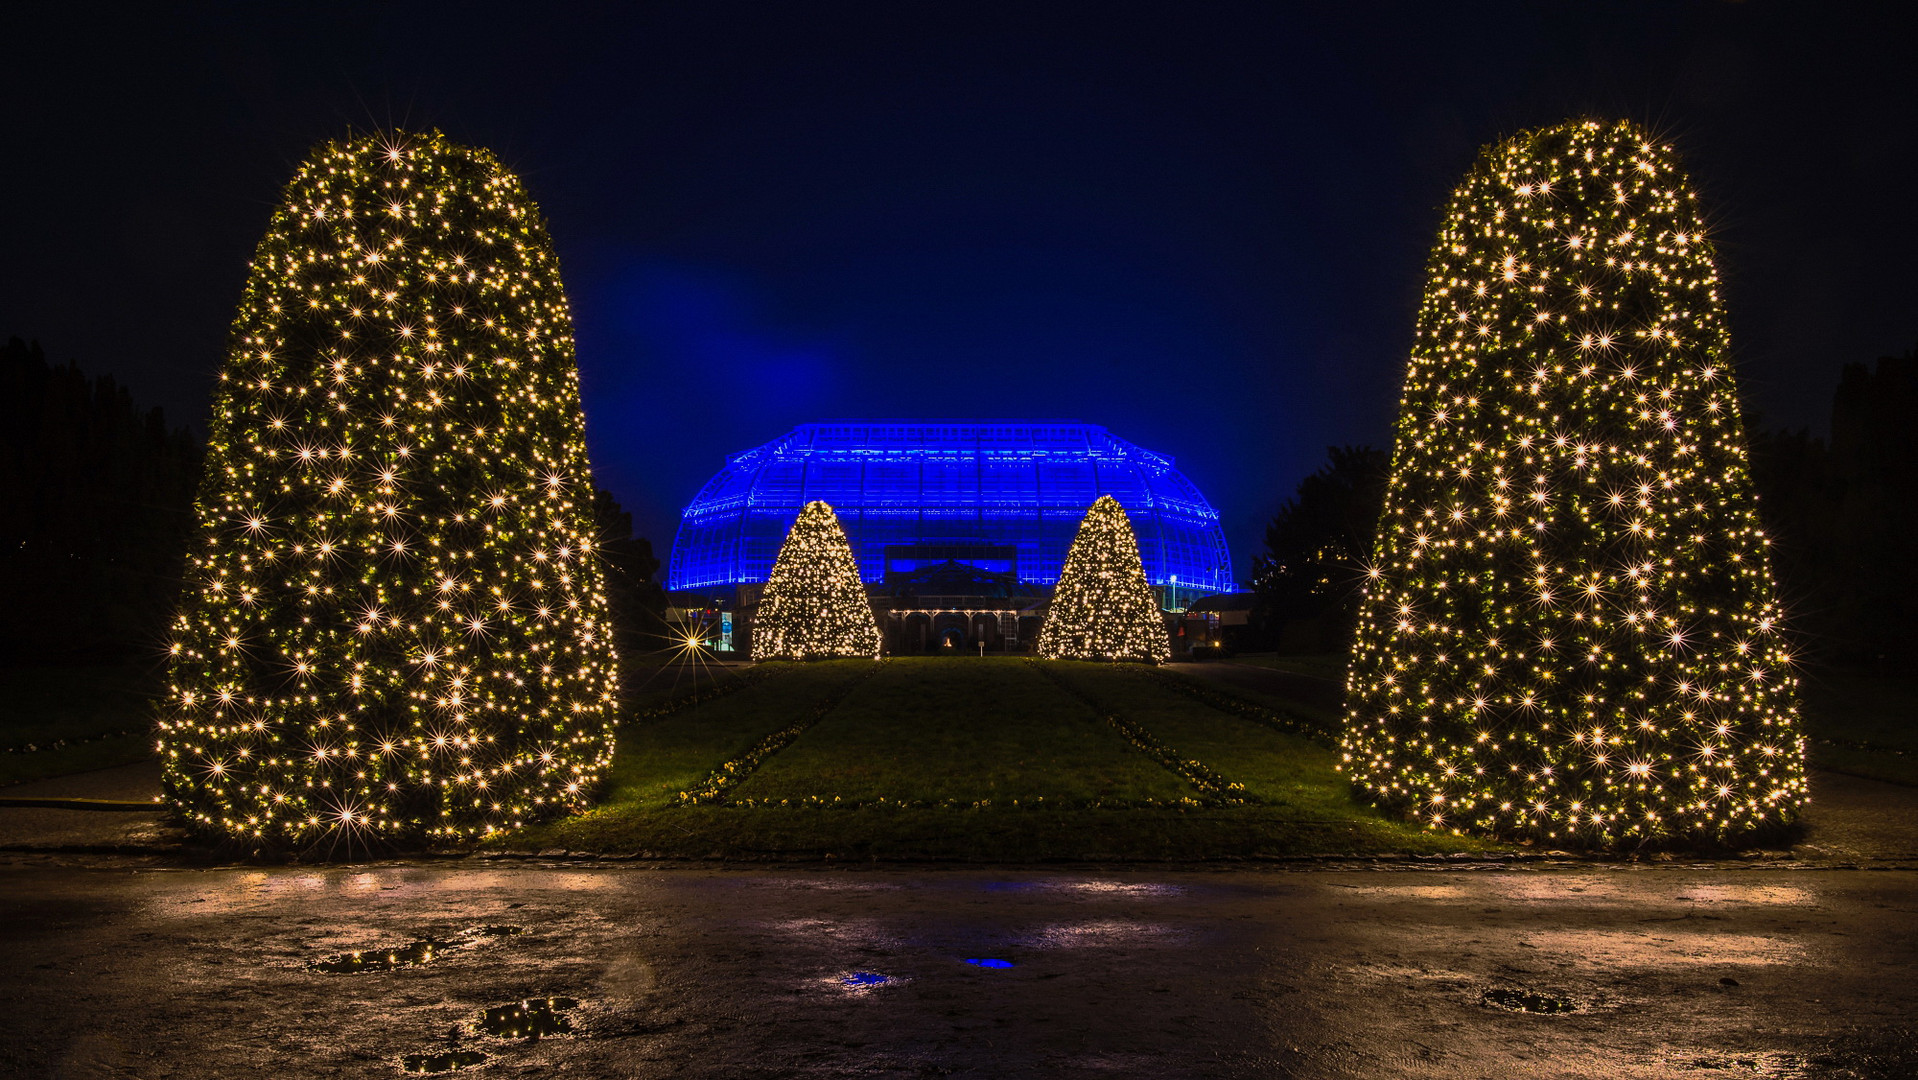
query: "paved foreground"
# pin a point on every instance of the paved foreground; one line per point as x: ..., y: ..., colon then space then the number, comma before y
x: 125, y: 968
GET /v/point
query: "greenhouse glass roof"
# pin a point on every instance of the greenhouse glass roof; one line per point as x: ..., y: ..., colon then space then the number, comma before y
x: 912, y: 493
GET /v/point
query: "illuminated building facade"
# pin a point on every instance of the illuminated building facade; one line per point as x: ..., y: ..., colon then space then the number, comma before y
x: 999, y: 496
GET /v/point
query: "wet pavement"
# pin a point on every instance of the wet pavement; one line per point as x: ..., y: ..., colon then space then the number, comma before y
x: 120, y: 960
x: 117, y: 968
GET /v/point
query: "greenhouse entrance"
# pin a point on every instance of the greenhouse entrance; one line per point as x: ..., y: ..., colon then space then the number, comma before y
x: 948, y: 608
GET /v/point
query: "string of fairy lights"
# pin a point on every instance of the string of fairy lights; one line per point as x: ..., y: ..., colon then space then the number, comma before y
x: 394, y: 622
x: 815, y: 603
x: 1570, y: 628
x: 1103, y: 607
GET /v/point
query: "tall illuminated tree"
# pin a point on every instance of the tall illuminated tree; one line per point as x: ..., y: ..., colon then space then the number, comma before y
x: 1102, y: 607
x: 815, y: 604
x: 1571, y: 630
x: 394, y: 623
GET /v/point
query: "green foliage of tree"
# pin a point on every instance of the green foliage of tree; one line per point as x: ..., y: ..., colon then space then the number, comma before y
x: 96, y: 499
x: 1103, y: 607
x: 815, y: 605
x: 634, y: 596
x: 1845, y: 514
x: 1571, y: 631
x: 1318, y: 546
x: 395, y: 623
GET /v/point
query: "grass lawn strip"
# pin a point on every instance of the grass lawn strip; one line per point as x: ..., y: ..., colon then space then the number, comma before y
x: 62, y: 720
x: 1294, y: 775
x: 735, y: 770
x: 1327, y: 666
x: 995, y: 834
x: 657, y: 760
x: 964, y: 734
x: 1862, y: 724
x: 1293, y: 720
x: 702, y: 692
x: 1219, y: 790
x: 641, y: 815
x: 85, y: 755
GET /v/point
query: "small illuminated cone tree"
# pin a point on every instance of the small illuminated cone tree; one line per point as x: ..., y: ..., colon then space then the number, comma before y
x: 815, y: 604
x: 1103, y: 608
x: 394, y: 623
x: 1571, y: 631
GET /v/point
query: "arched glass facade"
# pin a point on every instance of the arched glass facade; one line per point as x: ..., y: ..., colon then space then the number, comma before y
x: 1005, y: 495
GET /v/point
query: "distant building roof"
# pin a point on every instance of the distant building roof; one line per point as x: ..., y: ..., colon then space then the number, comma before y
x: 1013, y: 483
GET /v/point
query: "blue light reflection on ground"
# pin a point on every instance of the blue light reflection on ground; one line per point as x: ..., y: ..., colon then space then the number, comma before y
x: 990, y: 963
x: 864, y: 980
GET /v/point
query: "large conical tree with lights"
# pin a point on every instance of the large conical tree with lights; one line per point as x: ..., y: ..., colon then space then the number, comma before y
x: 1103, y: 608
x: 394, y: 624
x: 815, y: 604
x: 1571, y: 631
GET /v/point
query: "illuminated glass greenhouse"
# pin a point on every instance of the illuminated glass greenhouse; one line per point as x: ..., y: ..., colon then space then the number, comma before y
x: 1003, y: 496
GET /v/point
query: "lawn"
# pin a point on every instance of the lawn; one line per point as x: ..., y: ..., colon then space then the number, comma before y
x: 980, y: 760
x: 659, y: 759
x: 60, y: 720
x: 932, y: 732
x: 1007, y: 760
x: 1278, y: 768
x: 1866, y: 725
x: 1327, y: 666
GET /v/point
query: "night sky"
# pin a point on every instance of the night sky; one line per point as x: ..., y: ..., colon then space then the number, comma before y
x: 1201, y: 225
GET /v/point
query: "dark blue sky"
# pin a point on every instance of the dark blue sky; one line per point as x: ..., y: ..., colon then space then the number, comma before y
x: 1201, y: 225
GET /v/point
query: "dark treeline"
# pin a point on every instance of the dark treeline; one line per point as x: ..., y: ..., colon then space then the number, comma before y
x: 637, y: 599
x: 1843, y: 515
x: 96, y: 511
x: 1316, y: 549
x: 96, y: 500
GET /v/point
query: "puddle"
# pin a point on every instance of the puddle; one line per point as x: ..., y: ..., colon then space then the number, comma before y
x: 1755, y: 1065
x: 536, y: 1018
x: 864, y: 980
x: 449, y: 1061
x: 987, y: 963
x: 411, y: 954
x: 1527, y: 1001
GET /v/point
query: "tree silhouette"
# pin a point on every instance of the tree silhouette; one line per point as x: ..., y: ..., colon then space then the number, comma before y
x: 96, y: 502
x: 1319, y: 544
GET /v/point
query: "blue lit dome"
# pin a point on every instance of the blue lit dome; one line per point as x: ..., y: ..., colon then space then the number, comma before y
x: 1005, y: 496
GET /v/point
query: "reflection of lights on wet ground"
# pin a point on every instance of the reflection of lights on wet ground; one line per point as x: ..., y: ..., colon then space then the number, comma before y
x: 864, y: 980
x: 531, y: 1019
x: 408, y: 955
x: 1528, y: 1001
x: 1625, y: 890
x: 989, y: 963
x: 411, y: 954
x: 1124, y: 889
x: 440, y: 1063
x: 1098, y: 933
